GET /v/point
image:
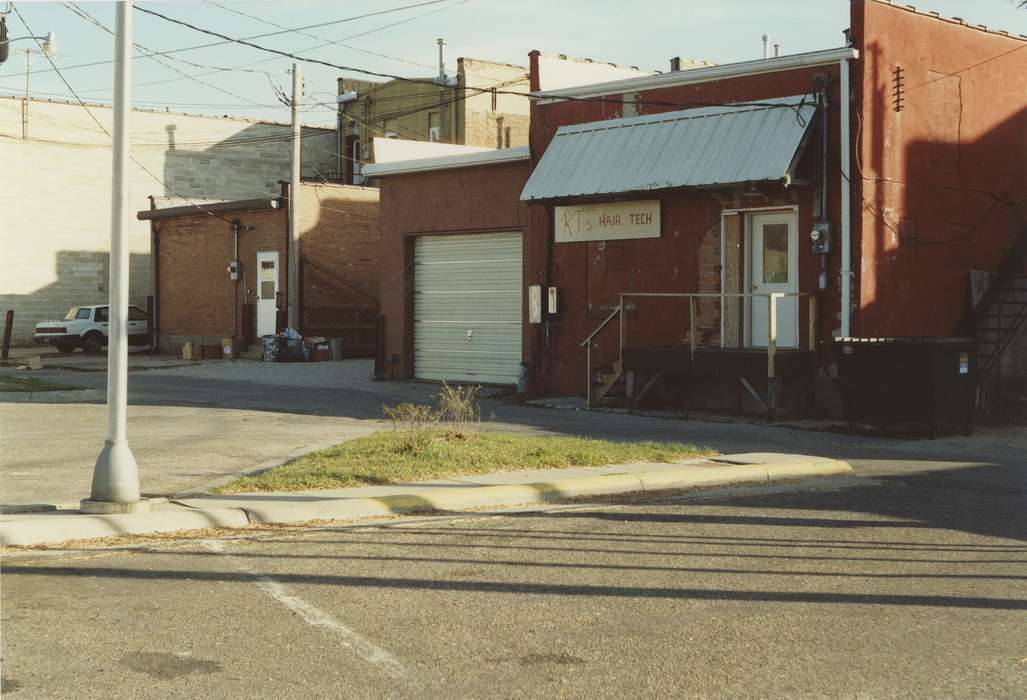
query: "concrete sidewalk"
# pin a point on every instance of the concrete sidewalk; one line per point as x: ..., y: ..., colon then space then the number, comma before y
x: 486, y: 491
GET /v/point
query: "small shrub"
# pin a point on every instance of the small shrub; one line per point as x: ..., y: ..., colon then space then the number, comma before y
x: 459, y: 406
x: 417, y: 422
x: 411, y: 416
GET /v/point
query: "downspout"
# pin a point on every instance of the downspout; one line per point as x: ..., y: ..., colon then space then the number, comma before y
x: 287, y: 198
x: 236, y: 224
x: 846, y: 203
x: 822, y: 277
x: 155, y: 275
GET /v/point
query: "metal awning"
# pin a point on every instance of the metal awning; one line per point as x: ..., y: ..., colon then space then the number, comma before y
x: 691, y: 148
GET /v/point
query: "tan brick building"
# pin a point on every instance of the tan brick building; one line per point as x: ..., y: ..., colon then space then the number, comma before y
x: 474, y: 108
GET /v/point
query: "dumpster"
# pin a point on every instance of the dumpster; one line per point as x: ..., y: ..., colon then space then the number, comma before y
x: 917, y: 380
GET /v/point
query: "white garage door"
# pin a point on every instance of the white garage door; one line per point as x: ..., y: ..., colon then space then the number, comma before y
x: 467, y: 307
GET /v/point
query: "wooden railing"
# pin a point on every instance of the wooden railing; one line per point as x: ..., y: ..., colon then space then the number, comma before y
x: 773, y: 298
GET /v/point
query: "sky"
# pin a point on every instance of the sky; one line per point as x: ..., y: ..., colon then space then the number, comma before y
x: 643, y: 33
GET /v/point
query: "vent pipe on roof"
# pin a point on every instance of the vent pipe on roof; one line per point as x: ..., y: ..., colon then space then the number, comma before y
x: 675, y: 64
x: 777, y: 50
x: 442, y: 64
x: 766, y: 46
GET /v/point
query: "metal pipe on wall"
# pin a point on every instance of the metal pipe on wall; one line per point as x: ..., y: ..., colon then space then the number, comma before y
x: 846, y: 198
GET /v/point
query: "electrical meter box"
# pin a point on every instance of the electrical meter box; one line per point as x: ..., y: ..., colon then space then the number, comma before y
x: 820, y: 238
x: 233, y: 270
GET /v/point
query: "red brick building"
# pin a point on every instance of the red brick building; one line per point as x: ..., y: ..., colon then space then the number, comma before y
x: 199, y: 299
x: 904, y: 150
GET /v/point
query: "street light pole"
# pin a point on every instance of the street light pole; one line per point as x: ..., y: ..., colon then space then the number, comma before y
x: 49, y: 49
x: 116, y: 475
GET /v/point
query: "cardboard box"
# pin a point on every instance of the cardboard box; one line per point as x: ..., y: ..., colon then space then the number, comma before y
x: 321, y: 353
x: 192, y: 352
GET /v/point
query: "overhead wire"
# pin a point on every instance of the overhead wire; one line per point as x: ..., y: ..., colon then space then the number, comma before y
x: 392, y: 76
x: 99, y: 123
x: 255, y: 36
x: 79, y: 12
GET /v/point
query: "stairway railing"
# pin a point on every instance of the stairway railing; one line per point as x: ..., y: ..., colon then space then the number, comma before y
x: 773, y: 298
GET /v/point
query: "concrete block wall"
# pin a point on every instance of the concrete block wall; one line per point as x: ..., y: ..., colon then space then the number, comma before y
x: 55, y: 192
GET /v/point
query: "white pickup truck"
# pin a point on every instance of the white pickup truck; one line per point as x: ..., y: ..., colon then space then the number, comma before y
x: 86, y: 327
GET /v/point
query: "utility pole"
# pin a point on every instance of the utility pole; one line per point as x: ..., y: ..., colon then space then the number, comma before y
x: 293, y: 282
x: 116, y: 476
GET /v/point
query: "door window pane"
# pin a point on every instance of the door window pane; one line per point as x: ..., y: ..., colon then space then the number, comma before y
x: 101, y: 315
x: 775, y: 254
x: 136, y: 314
x: 267, y: 271
x: 267, y: 290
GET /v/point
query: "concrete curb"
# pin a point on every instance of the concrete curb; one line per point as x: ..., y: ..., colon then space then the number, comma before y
x: 307, y: 506
x: 68, y: 525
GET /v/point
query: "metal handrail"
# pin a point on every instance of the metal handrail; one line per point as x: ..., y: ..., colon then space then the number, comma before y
x: 771, y: 297
x: 600, y: 327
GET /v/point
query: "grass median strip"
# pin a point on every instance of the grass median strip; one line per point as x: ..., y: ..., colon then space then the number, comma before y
x: 394, y: 457
x: 10, y: 383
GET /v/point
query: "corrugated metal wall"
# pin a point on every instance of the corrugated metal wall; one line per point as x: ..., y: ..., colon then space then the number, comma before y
x: 468, y: 298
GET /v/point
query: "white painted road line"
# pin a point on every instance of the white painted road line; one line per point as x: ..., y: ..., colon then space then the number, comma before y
x: 314, y: 616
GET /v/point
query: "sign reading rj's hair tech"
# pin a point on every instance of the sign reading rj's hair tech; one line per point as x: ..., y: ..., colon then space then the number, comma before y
x: 608, y: 221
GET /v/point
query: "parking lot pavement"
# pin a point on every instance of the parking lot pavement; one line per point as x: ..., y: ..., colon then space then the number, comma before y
x: 49, y: 449
x: 852, y: 587
x: 188, y: 424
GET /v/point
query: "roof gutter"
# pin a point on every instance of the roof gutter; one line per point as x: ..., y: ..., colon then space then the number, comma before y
x: 694, y: 76
x: 215, y: 208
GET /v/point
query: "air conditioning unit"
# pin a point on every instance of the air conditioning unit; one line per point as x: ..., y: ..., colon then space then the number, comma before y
x: 434, y: 134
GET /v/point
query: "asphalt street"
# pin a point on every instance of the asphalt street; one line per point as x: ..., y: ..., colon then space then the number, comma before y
x: 188, y: 425
x: 882, y: 586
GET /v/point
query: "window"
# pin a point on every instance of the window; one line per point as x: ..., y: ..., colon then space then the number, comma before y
x: 73, y: 313
x: 775, y: 254
x: 136, y: 314
x: 102, y: 314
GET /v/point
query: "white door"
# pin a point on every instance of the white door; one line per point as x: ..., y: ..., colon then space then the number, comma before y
x: 774, y: 267
x: 468, y: 301
x: 267, y: 292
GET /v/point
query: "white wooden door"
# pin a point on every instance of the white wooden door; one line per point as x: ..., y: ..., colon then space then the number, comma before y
x: 774, y: 267
x: 267, y: 292
x: 468, y: 302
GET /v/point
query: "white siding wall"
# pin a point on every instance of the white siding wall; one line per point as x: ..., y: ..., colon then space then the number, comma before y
x: 55, y: 193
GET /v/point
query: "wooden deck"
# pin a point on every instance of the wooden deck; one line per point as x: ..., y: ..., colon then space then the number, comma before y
x: 747, y: 362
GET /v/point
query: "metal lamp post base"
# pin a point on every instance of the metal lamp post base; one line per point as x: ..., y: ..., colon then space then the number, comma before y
x: 115, y: 482
x: 88, y: 505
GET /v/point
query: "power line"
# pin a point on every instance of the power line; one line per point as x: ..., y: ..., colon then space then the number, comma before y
x: 255, y: 36
x: 88, y: 17
x: 97, y: 121
x: 315, y: 36
x: 391, y: 76
x: 347, y: 46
